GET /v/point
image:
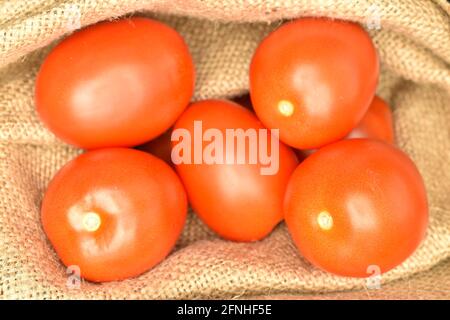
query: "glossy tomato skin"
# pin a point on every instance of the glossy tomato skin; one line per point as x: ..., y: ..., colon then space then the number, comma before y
x: 355, y: 204
x: 114, y: 212
x: 314, y: 78
x: 234, y: 200
x: 376, y: 124
x: 115, y: 84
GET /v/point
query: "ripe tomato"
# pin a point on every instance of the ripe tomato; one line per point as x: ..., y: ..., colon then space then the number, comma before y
x: 114, y: 212
x: 355, y: 204
x: 235, y: 200
x: 314, y: 79
x: 376, y: 123
x: 117, y: 83
x: 160, y: 147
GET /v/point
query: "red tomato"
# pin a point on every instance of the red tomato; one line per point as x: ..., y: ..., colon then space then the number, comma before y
x: 114, y: 212
x: 355, y: 205
x: 235, y: 200
x: 314, y: 79
x: 376, y: 124
x: 118, y: 83
x: 160, y: 147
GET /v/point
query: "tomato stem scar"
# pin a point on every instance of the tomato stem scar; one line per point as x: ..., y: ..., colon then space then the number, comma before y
x: 91, y: 221
x: 286, y: 108
x: 325, y: 220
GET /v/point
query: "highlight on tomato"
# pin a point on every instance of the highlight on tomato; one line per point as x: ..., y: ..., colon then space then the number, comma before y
x: 114, y: 213
x: 314, y: 79
x: 234, y: 170
x: 115, y: 84
x: 356, y: 206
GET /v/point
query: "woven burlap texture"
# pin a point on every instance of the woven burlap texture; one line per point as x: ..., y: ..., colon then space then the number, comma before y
x: 412, y: 37
x: 428, y: 285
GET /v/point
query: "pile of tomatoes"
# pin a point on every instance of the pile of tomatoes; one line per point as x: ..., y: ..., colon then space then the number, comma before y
x: 351, y: 200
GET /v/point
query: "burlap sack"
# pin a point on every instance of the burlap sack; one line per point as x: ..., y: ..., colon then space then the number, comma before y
x: 413, y: 39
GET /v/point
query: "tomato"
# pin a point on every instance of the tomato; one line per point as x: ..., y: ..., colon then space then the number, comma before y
x: 160, y: 147
x: 114, y: 213
x: 116, y: 83
x: 376, y: 123
x: 237, y: 200
x: 313, y: 79
x: 355, y: 206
